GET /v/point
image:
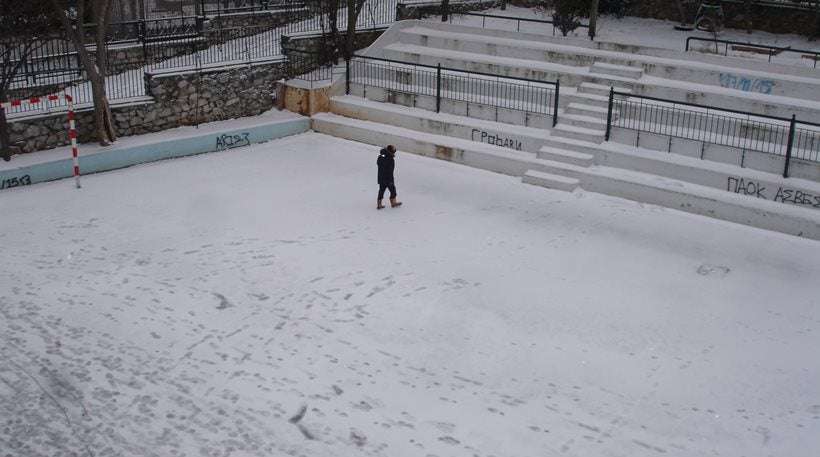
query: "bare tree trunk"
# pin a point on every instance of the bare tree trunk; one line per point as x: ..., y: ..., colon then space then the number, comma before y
x: 681, y: 11
x: 593, y: 19
x: 95, y: 68
x: 747, y: 15
x: 106, y: 133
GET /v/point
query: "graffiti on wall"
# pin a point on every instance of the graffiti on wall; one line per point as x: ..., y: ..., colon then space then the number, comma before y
x: 8, y: 183
x: 733, y: 81
x: 781, y: 194
x: 498, y: 140
x: 227, y: 141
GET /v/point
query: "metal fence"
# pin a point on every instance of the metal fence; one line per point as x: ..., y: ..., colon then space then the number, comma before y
x: 506, y: 92
x: 763, y: 49
x: 745, y: 131
x: 517, y: 20
x: 180, y: 43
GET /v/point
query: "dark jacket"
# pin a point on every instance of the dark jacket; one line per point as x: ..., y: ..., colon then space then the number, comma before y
x: 386, y: 163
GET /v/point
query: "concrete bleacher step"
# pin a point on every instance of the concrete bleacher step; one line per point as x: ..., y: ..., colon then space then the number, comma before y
x: 572, y: 144
x: 550, y: 181
x: 600, y: 89
x: 578, y: 133
x: 580, y: 120
x: 516, y: 137
x: 558, y: 154
x: 599, y: 112
x: 616, y: 70
x: 600, y: 101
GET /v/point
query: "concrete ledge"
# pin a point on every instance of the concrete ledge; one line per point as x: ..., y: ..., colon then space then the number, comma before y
x: 120, y: 155
x: 514, y: 137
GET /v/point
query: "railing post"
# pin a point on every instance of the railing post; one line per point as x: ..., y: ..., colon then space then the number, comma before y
x: 438, y: 87
x: 555, y: 107
x: 789, y: 146
x: 609, y: 113
x: 347, y: 76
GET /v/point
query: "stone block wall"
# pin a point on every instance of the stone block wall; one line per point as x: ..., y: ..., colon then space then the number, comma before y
x: 255, y: 19
x: 179, y: 99
x: 427, y: 9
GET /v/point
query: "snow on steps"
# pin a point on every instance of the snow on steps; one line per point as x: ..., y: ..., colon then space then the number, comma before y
x: 566, y: 156
x: 580, y: 120
x: 616, y: 70
x: 600, y: 89
x: 638, y: 186
x: 550, y: 181
x: 578, y: 133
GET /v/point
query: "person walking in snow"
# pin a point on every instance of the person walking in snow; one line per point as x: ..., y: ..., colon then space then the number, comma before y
x: 387, y: 163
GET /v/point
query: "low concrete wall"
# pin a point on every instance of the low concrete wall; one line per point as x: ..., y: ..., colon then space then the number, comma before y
x: 178, y: 99
x: 116, y: 156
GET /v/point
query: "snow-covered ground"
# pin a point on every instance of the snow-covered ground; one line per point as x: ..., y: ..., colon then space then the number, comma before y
x: 645, y: 32
x: 254, y: 303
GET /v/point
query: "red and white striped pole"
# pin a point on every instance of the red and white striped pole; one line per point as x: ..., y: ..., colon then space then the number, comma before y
x: 72, y: 135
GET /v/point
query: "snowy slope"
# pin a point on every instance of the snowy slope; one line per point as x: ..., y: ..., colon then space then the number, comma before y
x: 193, y: 307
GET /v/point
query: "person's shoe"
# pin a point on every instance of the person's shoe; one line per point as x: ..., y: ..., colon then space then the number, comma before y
x: 394, y: 203
x: 379, y: 205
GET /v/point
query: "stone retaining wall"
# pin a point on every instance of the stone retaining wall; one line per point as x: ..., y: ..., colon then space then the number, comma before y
x: 179, y: 99
x: 422, y: 10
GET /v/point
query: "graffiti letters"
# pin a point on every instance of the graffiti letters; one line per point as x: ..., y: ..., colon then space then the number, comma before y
x: 24, y: 180
x: 733, y: 81
x: 498, y: 140
x: 781, y: 195
x: 232, y: 141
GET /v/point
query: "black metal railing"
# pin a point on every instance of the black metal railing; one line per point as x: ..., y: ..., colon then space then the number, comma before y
x: 506, y: 92
x: 786, y: 137
x: 517, y: 20
x: 311, y: 66
x: 220, y: 7
x: 770, y: 50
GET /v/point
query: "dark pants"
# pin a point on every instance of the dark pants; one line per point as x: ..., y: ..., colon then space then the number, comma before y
x: 389, y: 185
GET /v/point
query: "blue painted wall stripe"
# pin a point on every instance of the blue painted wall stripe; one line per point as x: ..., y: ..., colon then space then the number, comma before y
x: 121, y: 157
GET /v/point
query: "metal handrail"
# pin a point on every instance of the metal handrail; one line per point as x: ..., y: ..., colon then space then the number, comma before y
x: 714, y: 108
x: 771, y: 48
x: 513, y: 18
x: 434, y: 67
